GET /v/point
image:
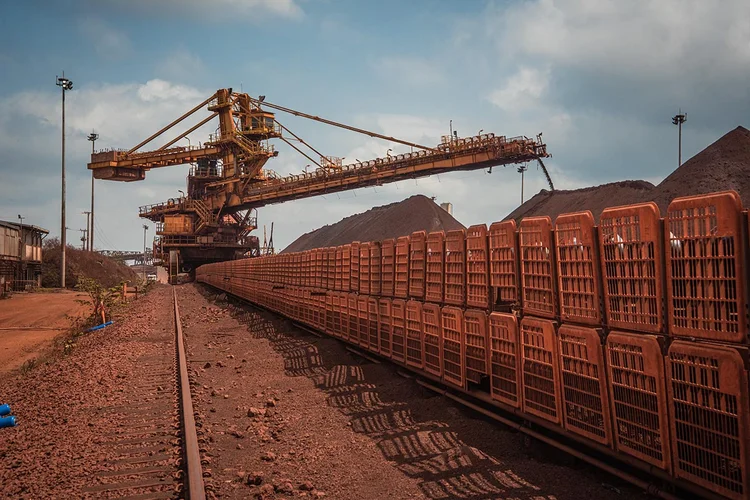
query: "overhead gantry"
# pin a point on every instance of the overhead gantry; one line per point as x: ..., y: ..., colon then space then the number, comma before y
x: 228, y: 179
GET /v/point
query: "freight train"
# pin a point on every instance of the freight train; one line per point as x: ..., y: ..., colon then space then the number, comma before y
x: 630, y: 334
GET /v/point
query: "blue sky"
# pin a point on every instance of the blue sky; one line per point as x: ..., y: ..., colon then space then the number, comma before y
x: 600, y: 79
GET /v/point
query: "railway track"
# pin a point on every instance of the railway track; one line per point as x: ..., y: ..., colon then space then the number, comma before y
x: 154, y: 453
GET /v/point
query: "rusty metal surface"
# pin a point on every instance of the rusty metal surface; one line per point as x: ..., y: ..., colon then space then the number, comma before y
x: 388, y: 267
x: 477, y: 267
x: 453, y: 346
x: 433, y: 337
x: 414, y: 335
x: 708, y: 394
x: 505, y: 379
x: 578, y: 268
x: 384, y: 326
x: 401, y: 268
x: 706, y: 267
x: 638, y: 395
x: 398, y: 330
x: 537, y: 267
x: 435, y: 267
x: 540, y: 369
x: 504, y: 262
x: 476, y: 346
x: 632, y: 264
x: 455, y: 267
x: 584, y: 383
x: 417, y: 264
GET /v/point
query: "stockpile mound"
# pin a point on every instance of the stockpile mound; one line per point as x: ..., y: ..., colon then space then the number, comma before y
x: 723, y: 165
x: 78, y: 263
x: 596, y: 199
x: 417, y: 213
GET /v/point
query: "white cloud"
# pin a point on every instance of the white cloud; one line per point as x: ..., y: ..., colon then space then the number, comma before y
x: 521, y: 91
x: 105, y: 39
x: 657, y: 37
x: 413, y: 71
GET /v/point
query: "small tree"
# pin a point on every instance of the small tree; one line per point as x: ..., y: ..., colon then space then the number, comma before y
x: 101, y: 299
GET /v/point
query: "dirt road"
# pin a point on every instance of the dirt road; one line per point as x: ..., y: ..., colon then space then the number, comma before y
x: 30, y: 321
x: 285, y: 412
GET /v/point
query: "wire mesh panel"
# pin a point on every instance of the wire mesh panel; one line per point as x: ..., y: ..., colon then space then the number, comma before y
x: 539, y: 365
x: 364, y: 269
x: 384, y: 326
x: 705, y: 267
x: 455, y: 267
x: 638, y: 395
x: 578, y: 268
x: 352, y: 330
x: 504, y: 375
x: 331, y: 268
x: 346, y: 268
x: 537, y: 267
x: 375, y: 268
x: 401, y: 268
x: 373, y: 313
x: 398, y: 330
x: 502, y: 239
x: 417, y: 264
x: 708, y: 393
x: 453, y: 346
x: 338, y: 277
x: 332, y: 314
x: 435, y: 262
x: 584, y: 383
x: 388, y: 269
x: 414, y: 334
x: 477, y: 267
x: 318, y: 275
x: 354, y: 279
x: 363, y: 327
x: 476, y: 346
x: 631, y: 259
x: 433, y: 359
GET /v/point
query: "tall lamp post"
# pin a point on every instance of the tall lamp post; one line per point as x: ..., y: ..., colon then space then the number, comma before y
x: 145, y: 228
x: 678, y: 120
x: 93, y: 136
x: 521, y: 170
x: 64, y: 85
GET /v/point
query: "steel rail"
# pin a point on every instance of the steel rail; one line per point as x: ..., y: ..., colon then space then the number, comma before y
x: 191, y: 452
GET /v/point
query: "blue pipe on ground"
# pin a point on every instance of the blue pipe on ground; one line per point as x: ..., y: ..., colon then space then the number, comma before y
x: 7, y: 422
x: 4, y: 410
x: 99, y: 327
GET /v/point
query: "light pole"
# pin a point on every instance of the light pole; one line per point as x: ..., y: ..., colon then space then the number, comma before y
x: 93, y: 136
x: 145, y: 228
x: 521, y: 170
x: 64, y: 85
x: 678, y: 120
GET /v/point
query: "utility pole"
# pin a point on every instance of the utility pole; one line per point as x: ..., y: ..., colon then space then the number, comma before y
x: 84, y: 238
x: 93, y: 136
x: 145, y: 228
x: 678, y: 120
x: 88, y: 229
x: 521, y: 170
x: 64, y: 85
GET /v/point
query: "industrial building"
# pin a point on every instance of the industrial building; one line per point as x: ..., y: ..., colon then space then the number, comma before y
x: 20, y: 256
